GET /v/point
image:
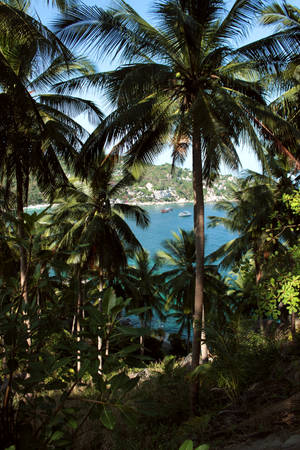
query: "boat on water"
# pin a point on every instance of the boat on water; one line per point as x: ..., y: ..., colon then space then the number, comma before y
x: 184, y: 214
x: 166, y: 210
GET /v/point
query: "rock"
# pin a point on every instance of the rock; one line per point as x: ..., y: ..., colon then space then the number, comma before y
x: 293, y: 443
x: 186, y: 361
x: 271, y: 442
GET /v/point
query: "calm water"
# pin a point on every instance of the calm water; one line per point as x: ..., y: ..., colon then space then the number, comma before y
x: 161, y: 227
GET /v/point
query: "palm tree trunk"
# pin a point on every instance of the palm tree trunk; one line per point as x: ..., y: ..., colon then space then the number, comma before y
x: 99, y: 338
x: 78, y: 327
x: 188, y: 343
x: 199, y: 245
x: 20, y: 216
x: 258, y: 275
x: 293, y: 326
x: 21, y: 232
x: 204, y: 350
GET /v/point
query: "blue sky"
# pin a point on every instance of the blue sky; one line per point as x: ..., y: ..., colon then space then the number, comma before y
x: 143, y: 7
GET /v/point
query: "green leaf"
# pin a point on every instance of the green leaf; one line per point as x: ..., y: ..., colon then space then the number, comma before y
x: 118, y: 381
x: 130, y: 331
x: 129, y: 349
x: 138, y: 311
x: 56, y: 436
x: 73, y: 423
x: 203, y: 447
x: 187, y: 445
x: 109, y: 301
x: 107, y: 418
x: 128, y: 415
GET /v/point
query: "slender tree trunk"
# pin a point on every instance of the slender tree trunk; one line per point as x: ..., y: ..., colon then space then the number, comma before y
x: 258, y: 275
x: 21, y: 232
x: 73, y: 325
x: 99, y: 339
x: 78, y: 327
x: 204, y: 349
x: 142, y: 339
x: 99, y: 348
x: 293, y: 325
x: 20, y: 216
x: 107, y: 347
x: 188, y: 344
x: 198, y: 322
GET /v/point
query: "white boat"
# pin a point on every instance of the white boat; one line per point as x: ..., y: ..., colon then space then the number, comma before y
x: 184, y: 214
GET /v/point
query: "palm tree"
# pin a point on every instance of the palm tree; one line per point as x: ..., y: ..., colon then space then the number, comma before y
x: 89, y: 223
x: 184, y: 82
x: 37, y: 127
x: 88, y: 218
x: 140, y: 281
x: 251, y: 218
x: 179, y: 285
x: 287, y: 18
x: 179, y: 282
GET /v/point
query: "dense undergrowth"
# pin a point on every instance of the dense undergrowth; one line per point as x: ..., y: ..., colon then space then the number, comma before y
x: 147, y: 404
x: 248, y: 374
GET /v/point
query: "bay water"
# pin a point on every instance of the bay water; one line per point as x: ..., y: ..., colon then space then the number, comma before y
x: 163, y: 224
x: 161, y: 227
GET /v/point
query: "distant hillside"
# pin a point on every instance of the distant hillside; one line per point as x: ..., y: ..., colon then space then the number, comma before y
x: 158, y: 185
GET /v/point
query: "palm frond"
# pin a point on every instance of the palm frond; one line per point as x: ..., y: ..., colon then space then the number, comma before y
x: 238, y: 20
x: 73, y: 106
x: 137, y: 213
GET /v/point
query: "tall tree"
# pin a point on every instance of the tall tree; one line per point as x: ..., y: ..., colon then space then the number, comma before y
x: 36, y: 127
x: 90, y: 219
x: 184, y: 82
x: 252, y: 219
x: 90, y: 223
x: 179, y: 255
x: 140, y: 281
x: 286, y: 82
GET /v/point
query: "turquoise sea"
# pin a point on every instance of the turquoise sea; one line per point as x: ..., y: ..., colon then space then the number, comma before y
x: 161, y: 227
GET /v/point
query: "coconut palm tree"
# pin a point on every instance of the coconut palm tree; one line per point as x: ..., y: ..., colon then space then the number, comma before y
x: 37, y: 128
x: 287, y: 19
x: 179, y: 256
x: 184, y: 82
x: 179, y: 281
x: 89, y: 223
x: 253, y: 220
x: 140, y: 281
x: 90, y: 220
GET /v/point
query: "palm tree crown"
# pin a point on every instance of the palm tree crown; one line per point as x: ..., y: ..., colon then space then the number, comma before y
x: 184, y: 82
x: 91, y: 220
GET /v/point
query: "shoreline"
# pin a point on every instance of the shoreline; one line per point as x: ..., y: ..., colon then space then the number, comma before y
x: 181, y: 202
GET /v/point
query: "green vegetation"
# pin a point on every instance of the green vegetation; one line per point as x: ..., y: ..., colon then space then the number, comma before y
x: 157, y: 184
x: 74, y: 371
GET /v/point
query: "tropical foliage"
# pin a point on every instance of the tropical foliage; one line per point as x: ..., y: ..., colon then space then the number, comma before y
x: 183, y: 82
x: 81, y: 363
